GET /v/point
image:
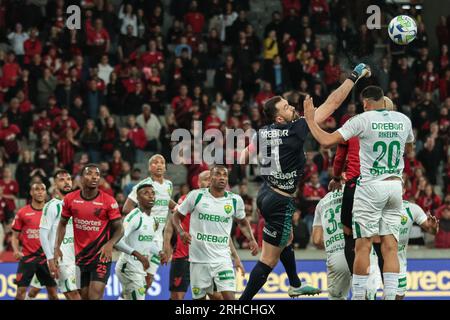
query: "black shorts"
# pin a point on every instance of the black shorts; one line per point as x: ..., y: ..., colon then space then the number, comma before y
x: 277, y: 211
x: 347, y: 202
x: 26, y: 271
x: 179, y: 275
x: 95, y: 271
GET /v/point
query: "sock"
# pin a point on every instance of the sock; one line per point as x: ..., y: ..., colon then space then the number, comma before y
x: 120, y: 298
x: 390, y: 285
x: 349, y: 251
x: 359, y: 287
x: 287, y: 258
x: 377, y: 248
x: 257, y: 279
x: 27, y: 297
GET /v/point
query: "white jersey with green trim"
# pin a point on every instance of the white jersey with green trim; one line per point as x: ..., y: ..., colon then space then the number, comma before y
x: 139, y: 234
x: 160, y: 210
x: 51, y: 214
x: 412, y: 214
x: 328, y: 216
x: 382, y: 137
x: 210, y: 224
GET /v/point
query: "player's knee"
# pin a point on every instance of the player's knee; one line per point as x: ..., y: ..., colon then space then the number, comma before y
x: 389, y: 247
x: 21, y: 293
x: 177, y: 295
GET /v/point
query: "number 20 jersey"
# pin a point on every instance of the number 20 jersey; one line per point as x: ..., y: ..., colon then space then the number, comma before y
x: 382, y: 138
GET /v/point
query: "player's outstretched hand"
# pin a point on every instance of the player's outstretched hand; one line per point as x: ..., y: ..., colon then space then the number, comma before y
x: 433, y: 222
x: 239, y: 267
x: 361, y: 70
x: 334, y: 185
x: 308, y: 109
x: 186, y: 238
x: 53, y: 268
x: 253, y: 246
x: 106, y: 253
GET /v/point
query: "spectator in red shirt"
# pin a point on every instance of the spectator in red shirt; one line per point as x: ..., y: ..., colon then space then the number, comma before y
x: 442, y: 31
x: 182, y: 105
x: 428, y: 200
x: 332, y: 71
x: 66, y: 148
x: 442, y: 239
x: 152, y: 56
x: 10, y: 188
x: 194, y: 18
x: 137, y: 136
x: 63, y: 122
x: 429, y: 80
x: 9, y: 138
x: 265, y: 94
x: 212, y: 120
x: 116, y: 164
x: 238, y: 235
x: 312, y: 193
x: 32, y: 45
x: 98, y: 40
x: 11, y: 71
x: 411, y: 163
x: 288, y: 5
x: 444, y: 86
x: 42, y: 123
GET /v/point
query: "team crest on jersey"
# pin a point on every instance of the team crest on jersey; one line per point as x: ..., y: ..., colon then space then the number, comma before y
x: 97, y: 212
x: 228, y: 208
x: 195, y: 290
x: 404, y: 220
x: 141, y: 291
x: 170, y: 189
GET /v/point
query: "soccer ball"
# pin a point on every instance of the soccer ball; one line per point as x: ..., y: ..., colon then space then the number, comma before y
x: 402, y: 30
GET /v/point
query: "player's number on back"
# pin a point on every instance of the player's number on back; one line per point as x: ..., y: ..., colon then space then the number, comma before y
x: 332, y: 223
x: 392, y: 162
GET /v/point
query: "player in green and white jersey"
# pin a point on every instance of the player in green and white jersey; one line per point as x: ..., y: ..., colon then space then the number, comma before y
x: 328, y: 233
x: 138, y: 246
x: 212, y: 213
x: 64, y: 270
x: 378, y: 206
x: 163, y: 202
x: 412, y: 214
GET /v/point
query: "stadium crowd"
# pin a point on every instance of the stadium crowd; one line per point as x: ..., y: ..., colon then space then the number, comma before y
x: 113, y: 91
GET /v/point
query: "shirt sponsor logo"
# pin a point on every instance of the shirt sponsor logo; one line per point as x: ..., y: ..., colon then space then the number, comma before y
x: 77, y: 201
x: 87, y: 225
x: 212, y: 238
x: 162, y: 203
x: 29, y: 214
x: 387, y: 126
x: 68, y: 240
x: 97, y: 203
x: 32, y: 233
x: 275, y: 133
x: 213, y: 217
x: 145, y: 238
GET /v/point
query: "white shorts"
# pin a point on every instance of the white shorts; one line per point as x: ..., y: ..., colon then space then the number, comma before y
x: 67, y: 280
x: 339, y: 278
x: 155, y: 261
x: 377, y: 209
x: 133, y: 284
x: 205, y: 275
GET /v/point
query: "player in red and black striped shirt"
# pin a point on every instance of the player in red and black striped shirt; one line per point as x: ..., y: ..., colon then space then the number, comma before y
x: 32, y: 258
x: 97, y: 226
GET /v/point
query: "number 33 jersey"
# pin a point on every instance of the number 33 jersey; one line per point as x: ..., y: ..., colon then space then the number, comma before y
x: 382, y: 138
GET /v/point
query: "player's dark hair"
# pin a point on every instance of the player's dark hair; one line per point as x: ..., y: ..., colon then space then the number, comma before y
x: 270, y: 109
x: 87, y: 166
x: 373, y: 93
x: 60, y: 171
x: 218, y: 167
x: 142, y: 186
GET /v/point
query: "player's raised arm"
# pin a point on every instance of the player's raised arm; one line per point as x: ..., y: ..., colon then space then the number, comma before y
x: 128, y: 206
x: 338, y: 96
x: 324, y: 138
